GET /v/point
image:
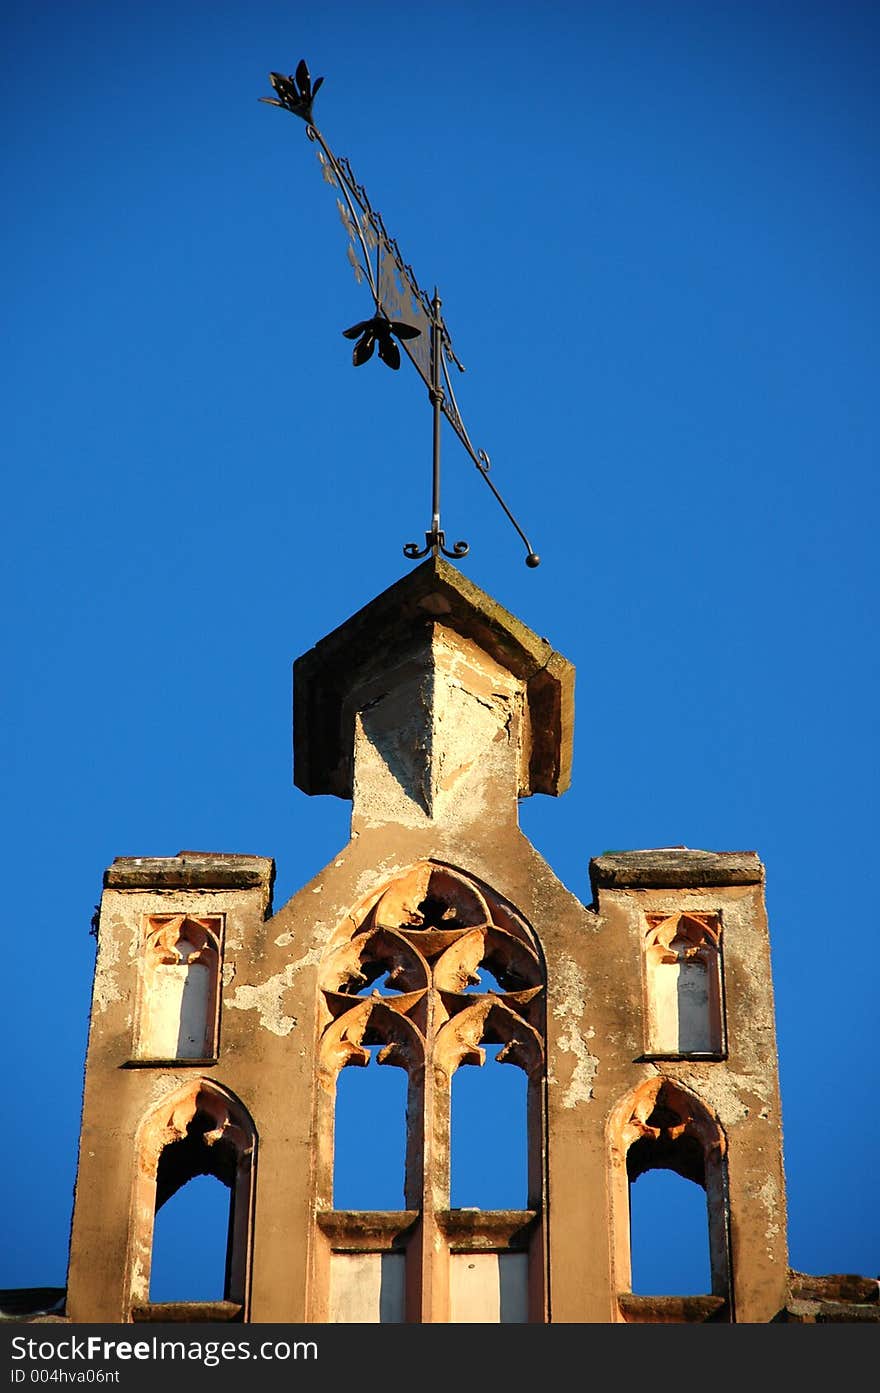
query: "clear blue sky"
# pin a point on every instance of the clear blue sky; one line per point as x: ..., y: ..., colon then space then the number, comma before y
x: 655, y: 231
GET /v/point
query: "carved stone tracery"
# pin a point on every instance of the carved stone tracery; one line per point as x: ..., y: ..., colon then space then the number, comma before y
x: 429, y: 933
x: 180, y: 938
x: 667, y: 1128
x: 683, y: 937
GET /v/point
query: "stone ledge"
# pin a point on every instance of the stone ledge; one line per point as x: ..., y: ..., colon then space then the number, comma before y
x: 366, y: 1231
x: 674, y: 868
x: 836, y: 1286
x: 162, y: 1312
x: 830, y: 1313
x: 672, y: 1310
x: 487, y: 1230
x: 191, y: 870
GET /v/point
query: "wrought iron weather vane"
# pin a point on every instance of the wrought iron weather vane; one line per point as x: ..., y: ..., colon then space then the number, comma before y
x: 403, y: 312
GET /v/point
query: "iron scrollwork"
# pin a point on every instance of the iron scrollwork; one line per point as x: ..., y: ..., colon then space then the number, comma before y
x: 403, y: 313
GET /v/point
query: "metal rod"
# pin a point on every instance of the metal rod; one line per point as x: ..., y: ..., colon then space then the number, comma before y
x: 481, y: 460
x: 436, y: 395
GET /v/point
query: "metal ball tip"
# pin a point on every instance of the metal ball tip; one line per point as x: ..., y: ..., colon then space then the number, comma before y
x: 533, y: 559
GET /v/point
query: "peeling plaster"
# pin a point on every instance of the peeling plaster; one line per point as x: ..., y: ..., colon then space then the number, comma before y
x: 106, y: 990
x: 163, y: 1088
x: 569, y: 1009
x: 267, y: 997
x: 725, y: 1091
x: 769, y: 1197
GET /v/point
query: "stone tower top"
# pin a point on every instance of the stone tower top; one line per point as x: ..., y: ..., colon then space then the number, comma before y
x: 430, y: 703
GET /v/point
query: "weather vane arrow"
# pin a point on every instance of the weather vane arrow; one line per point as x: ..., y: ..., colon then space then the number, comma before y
x: 403, y: 313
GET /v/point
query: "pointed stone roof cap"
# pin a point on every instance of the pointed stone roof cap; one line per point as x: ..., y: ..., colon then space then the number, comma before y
x: 434, y: 593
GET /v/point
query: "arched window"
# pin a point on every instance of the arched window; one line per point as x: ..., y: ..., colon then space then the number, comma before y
x: 430, y: 973
x: 179, y: 999
x: 663, y: 1126
x: 200, y: 1130
x: 683, y: 985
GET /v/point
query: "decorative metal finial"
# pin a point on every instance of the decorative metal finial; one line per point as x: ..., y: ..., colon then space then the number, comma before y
x: 379, y: 330
x: 402, y: 309
x: 295, y: 93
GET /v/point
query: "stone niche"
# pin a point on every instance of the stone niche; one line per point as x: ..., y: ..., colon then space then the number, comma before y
x: 180, y: 972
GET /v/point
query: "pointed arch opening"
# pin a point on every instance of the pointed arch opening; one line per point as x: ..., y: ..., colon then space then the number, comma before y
x: 201, y: 1130
x: 664, y: 1127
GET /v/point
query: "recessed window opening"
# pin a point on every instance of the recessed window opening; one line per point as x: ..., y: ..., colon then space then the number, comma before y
x: 178, y: 1009
x: 370, y: 1136
x: 214, y: 1138
x: 190, y: 1242
x: 669, y: 1236
x: 683, y: 982
x: 489, y: 1146
x: 669, y: 1194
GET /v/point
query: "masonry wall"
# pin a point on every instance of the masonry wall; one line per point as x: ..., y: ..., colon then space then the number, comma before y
x: 595, y: 1060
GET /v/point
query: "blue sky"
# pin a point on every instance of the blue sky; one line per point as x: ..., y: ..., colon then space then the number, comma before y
x: 654, y: 228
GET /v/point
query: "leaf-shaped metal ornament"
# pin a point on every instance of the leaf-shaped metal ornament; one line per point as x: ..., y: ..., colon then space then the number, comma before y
x: 346, y: 219
x: 296, y: 92
x: 303, y: 77
x: 370, y: 237
x: 363, y: 350
x: 389, y: 352
x: 378, y: 330
x: 326, y: 169
x: 355, y: 264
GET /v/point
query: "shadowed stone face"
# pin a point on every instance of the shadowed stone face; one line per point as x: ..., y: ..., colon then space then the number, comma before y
x: 445, y: 742
x: 429, y: 673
